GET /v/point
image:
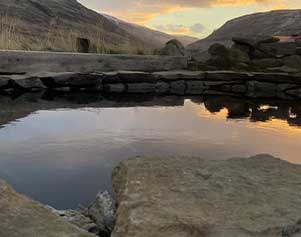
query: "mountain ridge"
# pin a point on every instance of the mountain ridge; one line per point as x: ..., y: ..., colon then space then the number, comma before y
x: 276, y: 22
x: 55, y: 24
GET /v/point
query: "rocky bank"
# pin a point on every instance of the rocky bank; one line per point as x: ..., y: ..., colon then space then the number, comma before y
x: 180, y: 196
x: 258, y: 196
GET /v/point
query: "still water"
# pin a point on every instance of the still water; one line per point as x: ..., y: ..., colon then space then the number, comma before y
x: 63, y: 154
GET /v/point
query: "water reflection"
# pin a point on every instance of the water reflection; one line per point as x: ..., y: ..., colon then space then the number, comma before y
x: 60, y: 149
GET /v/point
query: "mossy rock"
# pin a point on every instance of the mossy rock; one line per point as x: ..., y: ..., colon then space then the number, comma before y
x: 218, y: 50
x: 293, y: 61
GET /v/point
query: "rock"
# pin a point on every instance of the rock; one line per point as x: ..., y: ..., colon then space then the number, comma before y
x: 283, y: 68
x: 70, y: 79
x: 261, y: 89
x: 277, y: 77
x: 192, y: 197
x: 194, y: 87
x: 299, y: 50
x: 245, y: 41
x: 21, y: 216
x: 176, y: 75
x: 102, y: 212
x: 239, y: 88
x: 173, y: 48
x: 267, y: 63
x: 228, y: 75
x: 115, y: 88
x: 218, y: 50
x: 128, y: 77
x: 293, y: 61
x: 31, y: 83
x: 298, y: 42
x: 178, y: 87
x: 77, y: 218
x: 279, y: 48
x: 239, y: 56
x: 266, y: 39
x: 4, y: 82
x: 141, y: 87
x: 162, y: 87
x: 294, y: 92
x: 83, y: 45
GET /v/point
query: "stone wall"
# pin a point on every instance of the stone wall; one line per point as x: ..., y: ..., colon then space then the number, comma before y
x: 24, y: 61
x: 254, y: 85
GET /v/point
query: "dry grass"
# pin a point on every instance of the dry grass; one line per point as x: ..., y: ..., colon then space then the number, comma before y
x: 60, y: 39
x: 9, y: 39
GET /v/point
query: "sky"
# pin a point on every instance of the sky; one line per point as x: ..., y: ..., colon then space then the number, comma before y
x: 189, y: 17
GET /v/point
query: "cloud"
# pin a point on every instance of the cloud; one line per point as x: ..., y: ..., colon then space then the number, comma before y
x: 173, y: 29
x: 197, y: 28
x: 141, y: 11
x: 181, y: 29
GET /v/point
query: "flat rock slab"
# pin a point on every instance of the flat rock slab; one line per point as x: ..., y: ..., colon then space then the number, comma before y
x: 259, y: 196
x: 20, y: 216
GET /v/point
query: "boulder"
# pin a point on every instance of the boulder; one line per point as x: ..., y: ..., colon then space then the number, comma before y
x: 162, y: 87
x: 173, y: 48
x: 191, y: 197
x: 298, y: 42
x: 21, y: 216
x: 102, y: 212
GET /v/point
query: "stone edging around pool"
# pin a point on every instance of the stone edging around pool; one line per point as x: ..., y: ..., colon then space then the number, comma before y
x: 254, y: 85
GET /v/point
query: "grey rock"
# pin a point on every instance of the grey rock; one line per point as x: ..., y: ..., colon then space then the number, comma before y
x: 102, y: 212
x: 194, y: 87
x: 162, y: 87
x: 298, y: 42
x: 299, y: 50
x: 276, y: 77
x: 141, y: 87
x: 115, y: 88
x: 178, y: 87
x: 218, y: 50
x: 192, y: 197
x: 220, y: 83
x: 21, y: 216
x: 173, y: 48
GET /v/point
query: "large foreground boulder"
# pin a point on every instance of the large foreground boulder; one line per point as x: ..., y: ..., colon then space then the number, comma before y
x: 20, y: 216
x: 193, y: 197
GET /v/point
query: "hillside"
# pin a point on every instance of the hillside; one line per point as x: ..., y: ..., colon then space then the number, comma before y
x: 281, y: 22
x: 55, y: 25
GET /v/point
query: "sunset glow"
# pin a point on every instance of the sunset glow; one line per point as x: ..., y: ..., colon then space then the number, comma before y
x: 194, y: 17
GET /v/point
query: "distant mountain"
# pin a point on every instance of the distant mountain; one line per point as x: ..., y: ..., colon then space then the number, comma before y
x: 55, y: 25
x: 153, y: 37
x: 281, y: 22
